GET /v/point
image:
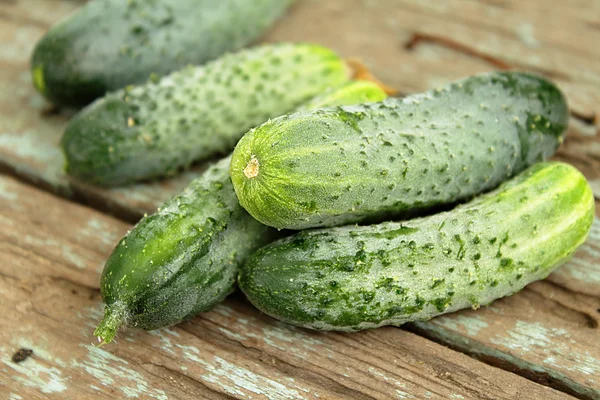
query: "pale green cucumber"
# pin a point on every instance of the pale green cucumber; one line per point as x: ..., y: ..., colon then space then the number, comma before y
x: 352, y: 92
x: 376, y: 161
x: 357, y: 277
x: 163, y: 126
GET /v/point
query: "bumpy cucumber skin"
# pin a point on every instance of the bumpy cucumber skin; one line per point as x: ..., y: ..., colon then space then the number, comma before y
x: 183, y: 260
x: 108, y: 44
x: 156, y: 129
x: 351, y: 278
x: 380, y: 160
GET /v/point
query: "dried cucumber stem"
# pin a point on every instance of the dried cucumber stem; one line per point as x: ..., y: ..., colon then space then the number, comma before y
x: 361, y: 72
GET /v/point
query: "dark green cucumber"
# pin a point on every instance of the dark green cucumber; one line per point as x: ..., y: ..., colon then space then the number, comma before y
x: 158, y: 128
x: 108, y: 44
x: 380, y: 160
x: 356, y: 277
x: 184, y: 259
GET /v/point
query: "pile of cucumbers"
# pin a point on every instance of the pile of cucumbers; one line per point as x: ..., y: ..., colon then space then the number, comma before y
x: 406, y: 208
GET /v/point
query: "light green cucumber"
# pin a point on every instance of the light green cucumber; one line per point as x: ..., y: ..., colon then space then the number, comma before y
x: 108, y: 44
x: 377, y: 161
x: 356, y: 277
x: 352, y: 92
x: 184, y: 259
x: 158, y: 128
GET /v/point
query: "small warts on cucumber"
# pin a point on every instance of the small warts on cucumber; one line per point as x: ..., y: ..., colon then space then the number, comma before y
x: 109, y: 44
x: 392, y: 159
x: 357, y: 277
x: 159, y: 128
x: 202, y: 234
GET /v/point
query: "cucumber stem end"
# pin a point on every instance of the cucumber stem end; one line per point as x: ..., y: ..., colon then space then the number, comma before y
x: 114, y: 316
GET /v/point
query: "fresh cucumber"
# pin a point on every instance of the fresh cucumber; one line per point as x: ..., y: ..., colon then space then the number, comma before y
x: 352, y: 92
x: 181, y: 260
x: 156, y: 129
x: 108, y: 44
x: 374, y: 161
x: 355, y: 277
x: 184, y: 259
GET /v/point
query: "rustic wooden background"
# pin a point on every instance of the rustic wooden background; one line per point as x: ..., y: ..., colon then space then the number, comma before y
x: 55, y: 235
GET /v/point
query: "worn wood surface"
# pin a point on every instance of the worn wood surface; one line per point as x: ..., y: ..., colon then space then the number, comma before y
x: 52, y: 250
x: 50, y: 261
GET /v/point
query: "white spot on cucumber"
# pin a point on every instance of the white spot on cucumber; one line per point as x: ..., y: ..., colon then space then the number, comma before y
x: 252, y: 169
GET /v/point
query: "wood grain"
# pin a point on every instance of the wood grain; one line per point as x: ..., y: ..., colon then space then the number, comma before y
x: 50, y: 259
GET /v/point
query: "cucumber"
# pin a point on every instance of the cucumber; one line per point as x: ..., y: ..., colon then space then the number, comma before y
x: 352, y: 92
x: 356, y: 277
x: 108, y: 44
x: 156, y: 129
x: 367, y: 163
x: 184, y: 259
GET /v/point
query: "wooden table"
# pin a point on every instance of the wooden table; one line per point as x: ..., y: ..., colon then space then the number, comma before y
x: 543, y: 343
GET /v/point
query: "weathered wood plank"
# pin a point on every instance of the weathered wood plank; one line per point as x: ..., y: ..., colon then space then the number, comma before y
x: 50, y: 303
x: 375, y: 31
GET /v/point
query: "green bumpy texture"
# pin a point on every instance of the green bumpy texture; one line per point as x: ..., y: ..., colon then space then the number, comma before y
x: 184, y: 259
x: 356, y: 277
x: 156, y: 129
x: 108, y: 44
x: 371, y: 162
